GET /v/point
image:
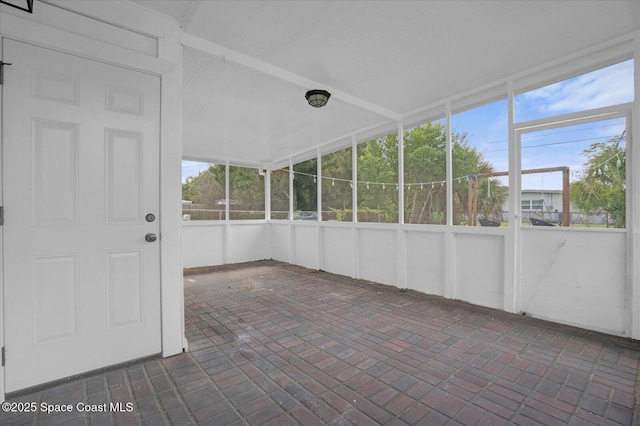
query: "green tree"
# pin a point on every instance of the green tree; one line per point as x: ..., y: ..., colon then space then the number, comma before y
x: 337, y: 189
x: 601, y: 189
x: 425, y: 161
x: 280, y: 193
x: 424, y: 174
x: 189, y: 190
x: 205, y: 188
x: 305, y: 186
x: 246, y: 187
x: 377, y: 160
x: 491, y: 193
x: 424, y: 164
x: 246, y: 192
x: 377, y: 180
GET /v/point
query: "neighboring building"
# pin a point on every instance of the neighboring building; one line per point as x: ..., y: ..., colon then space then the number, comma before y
x: 541, y: 204
x: 546, y: 204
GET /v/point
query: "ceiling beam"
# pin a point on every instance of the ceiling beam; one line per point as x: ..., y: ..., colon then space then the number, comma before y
x: 224, y: 54
x: 189, y: 14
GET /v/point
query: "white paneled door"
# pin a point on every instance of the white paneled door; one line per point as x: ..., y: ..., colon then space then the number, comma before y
x: 81, y: 196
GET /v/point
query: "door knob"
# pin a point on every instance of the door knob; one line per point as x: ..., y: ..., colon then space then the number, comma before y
x: 150, y: 237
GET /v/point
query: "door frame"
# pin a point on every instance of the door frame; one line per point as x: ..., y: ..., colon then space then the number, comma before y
x: 39, y: 29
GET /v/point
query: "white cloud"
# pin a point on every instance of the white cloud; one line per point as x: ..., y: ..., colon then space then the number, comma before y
x: 192, y: 169
x: 608, y: 86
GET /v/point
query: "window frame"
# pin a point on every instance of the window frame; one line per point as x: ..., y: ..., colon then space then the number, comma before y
x: 227, y: 164
x: 624, y: 110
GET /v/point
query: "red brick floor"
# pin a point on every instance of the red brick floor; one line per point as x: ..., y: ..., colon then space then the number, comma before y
x: 273, y: 344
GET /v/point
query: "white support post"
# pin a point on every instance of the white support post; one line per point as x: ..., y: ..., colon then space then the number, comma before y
x: 290, y: 189
x: 354, y: 178
x: 319, y: 238
x: 512, y: 297
x: 355, y: 236
x: 449, y: 165
x: 227, y: 227
x: 633, y: 204
x: 400, y: 173
x: 401, y: 237
x: 631, y: 282
x: 449, y: 286
x: 401, y: 261
x: 319, y: 184
x: 174, y: 339
x: 292, y: 239
x: 267, y: 211
x: 267, y: 194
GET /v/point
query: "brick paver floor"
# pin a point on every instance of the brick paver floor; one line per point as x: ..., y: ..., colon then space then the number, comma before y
x: 274, y: 344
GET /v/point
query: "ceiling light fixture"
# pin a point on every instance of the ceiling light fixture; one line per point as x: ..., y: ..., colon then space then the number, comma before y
x: 317, y: 98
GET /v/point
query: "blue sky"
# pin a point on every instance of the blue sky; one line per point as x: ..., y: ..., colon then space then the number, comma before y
x: 564, y: 146
x: 192, y: 168
x: 486, y: 126
x: 608, y: 86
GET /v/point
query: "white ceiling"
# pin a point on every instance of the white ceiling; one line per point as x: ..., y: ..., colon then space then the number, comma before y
x: 380, y: 59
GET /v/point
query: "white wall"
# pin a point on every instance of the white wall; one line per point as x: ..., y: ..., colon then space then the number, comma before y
x: 572, y: 276
x: 377, y: 249
x: 424, y: 263
x: 338, y: 249
x: 305, y: 245
x: 209, y: 243
x: 247, y: 242
x: 203, y: 244
x: 479, y: 266
x: 279, y: 237
x: 575, y: 276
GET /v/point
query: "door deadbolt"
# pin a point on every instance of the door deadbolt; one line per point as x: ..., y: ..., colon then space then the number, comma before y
x: 150, y: 217
x: 150, y: 237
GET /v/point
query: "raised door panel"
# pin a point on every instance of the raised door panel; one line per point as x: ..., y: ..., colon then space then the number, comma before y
x: 53, y: 86
x: 55, y: 299
x: 54, y: 173
x: 125, y: 289
x: 124, y: 168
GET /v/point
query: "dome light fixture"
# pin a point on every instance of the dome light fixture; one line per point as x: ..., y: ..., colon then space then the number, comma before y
x: 317, y: 98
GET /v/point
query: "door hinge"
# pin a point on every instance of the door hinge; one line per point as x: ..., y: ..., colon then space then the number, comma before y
x: 2, y: 64
x: 3, y: 357
x: 1, y: 215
